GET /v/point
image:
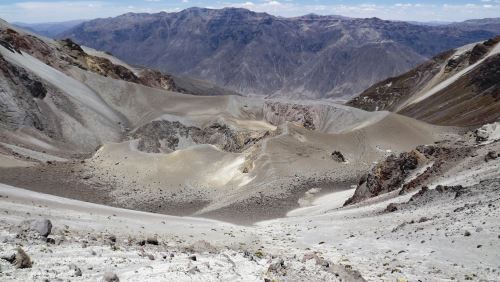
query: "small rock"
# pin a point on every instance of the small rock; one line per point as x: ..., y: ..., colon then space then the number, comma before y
x: 466, y: 233
x: 151, y: 257
x: 278, y: 267
x: 193, y: 270
x: 492, y: 155
x: 338, y: 157
x: 392, y: 207
x: 423, y: 219
x: 22, y: 259
x: 309, y: 256
x: 10, y: 258
x: 112, y: 238
x: 110, y: 277
x: 201, y: 246
x: 193, y: 258
x: 152, y: 240
x: 76, y: 269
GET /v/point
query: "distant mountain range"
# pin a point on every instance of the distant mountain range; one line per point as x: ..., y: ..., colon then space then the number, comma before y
x: 52, y: 29
x: 256, y: 53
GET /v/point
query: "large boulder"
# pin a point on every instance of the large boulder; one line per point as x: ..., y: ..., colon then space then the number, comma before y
x: 386, y: 176
x: 35, y: 227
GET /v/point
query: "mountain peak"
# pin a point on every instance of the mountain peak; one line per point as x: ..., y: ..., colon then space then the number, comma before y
x: 312, y: 56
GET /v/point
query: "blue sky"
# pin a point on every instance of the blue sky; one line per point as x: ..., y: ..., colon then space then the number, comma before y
x: 410, y: 10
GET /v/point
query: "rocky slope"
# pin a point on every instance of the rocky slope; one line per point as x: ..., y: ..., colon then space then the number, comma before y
x: 94, y: 154
x: 459, y: 87
x: 256, y: 53
x: 427, y: 165
x: 124, y: 134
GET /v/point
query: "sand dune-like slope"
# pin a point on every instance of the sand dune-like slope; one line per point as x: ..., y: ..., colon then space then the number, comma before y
x: 97, y: 126
x: 263, y: 180
x: 260, y: 158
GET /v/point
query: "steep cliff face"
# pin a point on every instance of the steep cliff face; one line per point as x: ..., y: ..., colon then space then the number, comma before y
x: 19, y: 93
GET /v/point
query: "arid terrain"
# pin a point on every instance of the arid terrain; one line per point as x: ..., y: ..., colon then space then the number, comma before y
x: 121, y: 173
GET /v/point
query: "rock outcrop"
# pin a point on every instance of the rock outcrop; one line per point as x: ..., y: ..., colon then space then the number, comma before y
x: 164, y: 136
x: 386, y: 176
x: 278, y: 113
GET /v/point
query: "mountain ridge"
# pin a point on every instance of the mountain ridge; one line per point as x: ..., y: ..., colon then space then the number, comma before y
x: 459, y: 87
x: 257, y: 53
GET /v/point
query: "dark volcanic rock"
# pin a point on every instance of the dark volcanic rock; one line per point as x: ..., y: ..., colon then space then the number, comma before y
x: 152, y: 240
x: 19, y: 107
x: 492, y: 155
x: 426, y: 194
x: 386, y: 176
x: 392, y: 207
x: 477, y: 53
x: 338, y: 156
x: 9, y: 258
x: 158, y: 136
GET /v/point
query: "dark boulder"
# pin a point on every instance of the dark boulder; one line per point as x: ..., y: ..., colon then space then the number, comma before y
x: 392, y: 207
x: 386, y: 176
x: 338, y: 157
x: 492, y: 155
